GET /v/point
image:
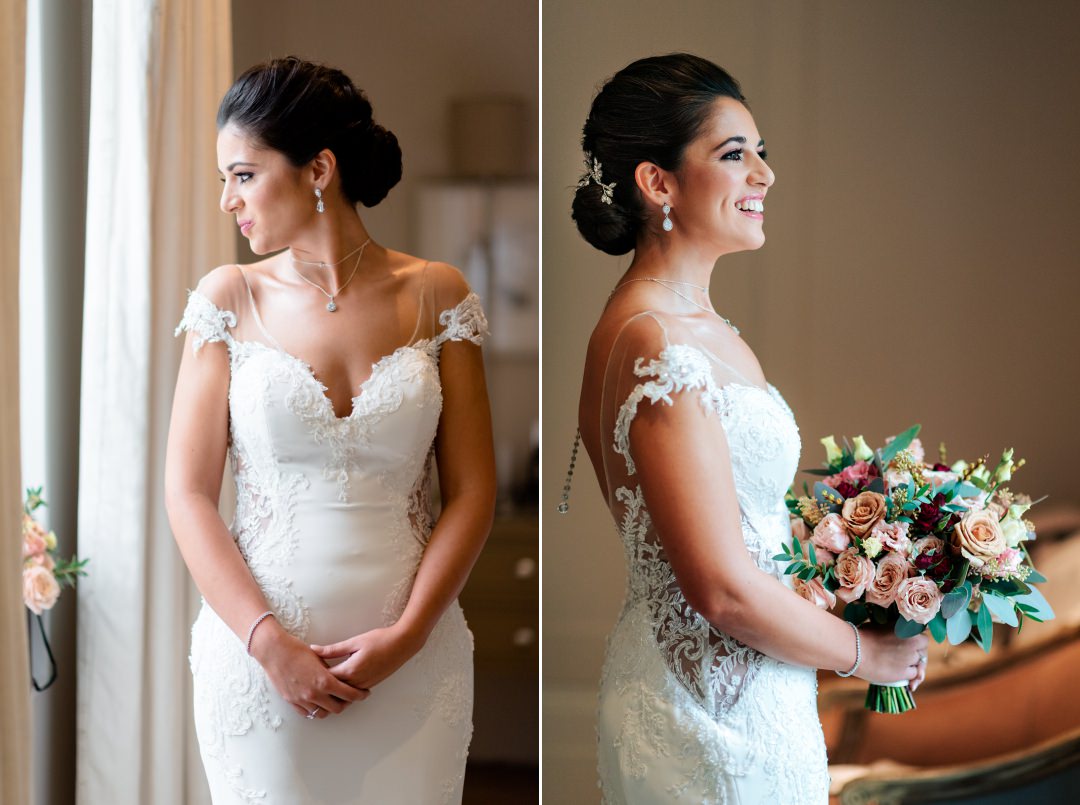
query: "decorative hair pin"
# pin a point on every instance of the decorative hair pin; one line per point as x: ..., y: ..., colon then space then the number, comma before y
x: 593, y: 174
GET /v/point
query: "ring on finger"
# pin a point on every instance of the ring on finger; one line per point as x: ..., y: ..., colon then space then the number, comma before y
x: 311, y: 714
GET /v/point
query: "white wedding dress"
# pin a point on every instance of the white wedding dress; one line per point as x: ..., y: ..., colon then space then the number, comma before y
x: 686, y: 713
x: 332, y: 517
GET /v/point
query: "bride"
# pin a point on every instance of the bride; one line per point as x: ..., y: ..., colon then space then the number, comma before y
x: 709, y: 688
x: 331, y: 660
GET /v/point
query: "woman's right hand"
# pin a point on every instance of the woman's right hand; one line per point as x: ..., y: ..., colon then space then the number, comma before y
x: 300, y: 676
x: 888, y: 658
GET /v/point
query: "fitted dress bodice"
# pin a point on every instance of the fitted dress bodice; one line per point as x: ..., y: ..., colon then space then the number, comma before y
x: 332, y: 517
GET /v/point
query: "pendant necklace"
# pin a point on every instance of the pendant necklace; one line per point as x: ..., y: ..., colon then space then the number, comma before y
x: 331, y: 305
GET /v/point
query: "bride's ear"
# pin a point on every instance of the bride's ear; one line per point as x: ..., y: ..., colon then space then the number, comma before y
x: 657, y: 185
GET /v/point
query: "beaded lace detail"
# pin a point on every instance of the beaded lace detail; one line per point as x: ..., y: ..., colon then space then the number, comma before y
x: 699, y: 711
x: 232, y: 693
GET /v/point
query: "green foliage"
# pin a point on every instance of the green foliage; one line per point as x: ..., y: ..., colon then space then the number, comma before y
x: 856, y: 612
x: 937, y: 628
x: 905, y: 628
x: 958, y: 627
x: 901, y: 442
x: 983, y: 635
x: 1000, y: 607
x: 955, y: 600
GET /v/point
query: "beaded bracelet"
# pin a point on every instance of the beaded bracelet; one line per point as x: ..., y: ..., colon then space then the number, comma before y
x: 858, y: 652
x: 251, y: 631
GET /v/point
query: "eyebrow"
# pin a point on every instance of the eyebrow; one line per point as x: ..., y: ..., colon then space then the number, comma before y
x: 249, y: 164
x: 740, y: 140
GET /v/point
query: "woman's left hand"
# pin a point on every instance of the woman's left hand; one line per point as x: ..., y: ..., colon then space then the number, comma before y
x: 372, y: 656
x: 921, y: 675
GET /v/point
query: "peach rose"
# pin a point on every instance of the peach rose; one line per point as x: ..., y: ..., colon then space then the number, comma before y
x: 40, y: 589
x: 892, y: 535
x: 896, y: 478
x: 34, y: 538
x: 863, y: 511
x: 918, y: 599
x: 830, y: 534
x: 979, y: 537
x: 891, y: 570
x: 814, y: 592
x: 854, y: 573
x: 800, y: 530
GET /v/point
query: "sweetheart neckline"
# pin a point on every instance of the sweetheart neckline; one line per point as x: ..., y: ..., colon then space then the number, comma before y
x: 309, y: 372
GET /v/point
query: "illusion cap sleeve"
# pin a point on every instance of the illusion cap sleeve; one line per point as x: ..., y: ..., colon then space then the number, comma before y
x: 206, y: 321
x: 463, y: 322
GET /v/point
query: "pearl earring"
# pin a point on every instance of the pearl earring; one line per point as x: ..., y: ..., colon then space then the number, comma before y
x: 668, y: 226
x: 319, y: 206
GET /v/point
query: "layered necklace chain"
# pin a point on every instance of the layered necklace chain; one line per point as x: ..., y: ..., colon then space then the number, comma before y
x: 331, y: 305
x: 668, y: 283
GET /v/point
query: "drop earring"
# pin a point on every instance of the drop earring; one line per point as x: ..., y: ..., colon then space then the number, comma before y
x: 319, y: 206
x: 668, y: 226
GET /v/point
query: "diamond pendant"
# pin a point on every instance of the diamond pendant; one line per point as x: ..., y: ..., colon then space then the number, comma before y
x: 331, y: 306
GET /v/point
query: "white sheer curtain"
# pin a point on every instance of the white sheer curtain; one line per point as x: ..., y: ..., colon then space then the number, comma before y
x: 153, y: 227
x: 14, y: 680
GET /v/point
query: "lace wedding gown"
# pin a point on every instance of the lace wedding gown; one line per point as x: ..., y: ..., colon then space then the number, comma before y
x: 332, y: 517
x: 686, y: 713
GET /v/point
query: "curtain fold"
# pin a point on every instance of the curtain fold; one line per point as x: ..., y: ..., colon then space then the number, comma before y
x: 14, y: 676
x: 153, y: 227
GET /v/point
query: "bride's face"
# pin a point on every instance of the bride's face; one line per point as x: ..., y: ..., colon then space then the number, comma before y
x: 270, y: 197
x: 722, y: 182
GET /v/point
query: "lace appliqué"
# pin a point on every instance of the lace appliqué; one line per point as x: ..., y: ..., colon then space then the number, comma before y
x: 464, y: 322
x: 205, y: 321
x: 679, y: 719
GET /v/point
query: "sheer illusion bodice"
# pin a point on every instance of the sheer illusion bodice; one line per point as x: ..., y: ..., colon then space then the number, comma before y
x: 688, y: 713
x: 332, y: 517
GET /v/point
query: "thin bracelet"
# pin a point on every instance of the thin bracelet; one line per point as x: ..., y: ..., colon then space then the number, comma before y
x: 260, y: 619
x: 858, y: 652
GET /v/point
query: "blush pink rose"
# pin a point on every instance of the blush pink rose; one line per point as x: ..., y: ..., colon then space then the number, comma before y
x: 33, y: 538
x: 1008, y: 564
x: 893, y: 536
x: 896, y: 478
x: 800, y: 530
x: 979, y: 537
x: 926, y: 545
x: 814, y: 592
x: 854, y: 572
x: 891, y: 571
x: 918, y: 599
x: 856, y: 475
x: 939, y: 478
x: 831, y: 534
x: 915, y: 448
x: 40, y: 589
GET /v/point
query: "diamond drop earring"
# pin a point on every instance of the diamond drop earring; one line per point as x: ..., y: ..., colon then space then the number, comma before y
x: 668, y: 226
x: 319, y: 206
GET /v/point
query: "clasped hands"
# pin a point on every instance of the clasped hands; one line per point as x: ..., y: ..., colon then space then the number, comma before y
x: 305, y: 678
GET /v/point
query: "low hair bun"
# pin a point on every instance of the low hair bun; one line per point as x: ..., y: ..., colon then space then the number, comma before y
x: 608, y: 227
x: 376, y: 168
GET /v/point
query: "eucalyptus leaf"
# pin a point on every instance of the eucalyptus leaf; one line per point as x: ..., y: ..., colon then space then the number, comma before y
x: 781, y: 557
x: 1035, y: 577
x: 985, y: 627
x: 819, y: 493
x: 905, y: 628
x: 966, y: 489
x: 855, y: 612
x: 1001, y: 608
x: 877, y: 485
x: 810, y: 553
x: 955, y: 600
x: 958, y: 627
x: 937, y: 627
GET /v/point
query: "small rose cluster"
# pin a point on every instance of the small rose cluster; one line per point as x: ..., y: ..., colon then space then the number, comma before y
x: 898, y: 540
x: 43, y: 570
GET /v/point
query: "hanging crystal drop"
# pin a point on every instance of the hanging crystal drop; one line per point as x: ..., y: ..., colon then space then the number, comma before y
x: 331, y: 306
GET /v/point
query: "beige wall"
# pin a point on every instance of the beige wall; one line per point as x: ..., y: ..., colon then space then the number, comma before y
x: 921, y: 263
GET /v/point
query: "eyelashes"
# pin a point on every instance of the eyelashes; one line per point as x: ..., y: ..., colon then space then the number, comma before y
x: 737, y: 155
x: 243, y: 177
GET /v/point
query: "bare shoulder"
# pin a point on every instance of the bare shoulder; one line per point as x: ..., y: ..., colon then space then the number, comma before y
x: 222, y: 286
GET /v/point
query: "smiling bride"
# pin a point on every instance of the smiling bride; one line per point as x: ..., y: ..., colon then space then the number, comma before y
x: 331, y: 660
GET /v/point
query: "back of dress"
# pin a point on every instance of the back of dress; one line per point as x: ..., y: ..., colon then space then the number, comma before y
x: 687, y: 712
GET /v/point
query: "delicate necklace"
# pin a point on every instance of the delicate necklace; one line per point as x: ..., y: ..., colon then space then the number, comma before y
x: 321, y: 264
x: 332, y: 305
x: 667, y: 284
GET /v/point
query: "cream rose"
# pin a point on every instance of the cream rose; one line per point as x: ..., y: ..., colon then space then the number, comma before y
x: 891, y: 571
x: 40, y: 589
x: 854, y: 573
x: 979, y: 537
x: 814, y: 592
x: 863, y: 512
x: 830, y: 534
x: 918, y: 599
x: 1014, y: 531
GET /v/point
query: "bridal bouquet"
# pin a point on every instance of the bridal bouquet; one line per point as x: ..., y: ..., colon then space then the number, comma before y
x: 917, y: 545
x: 43, y: 569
